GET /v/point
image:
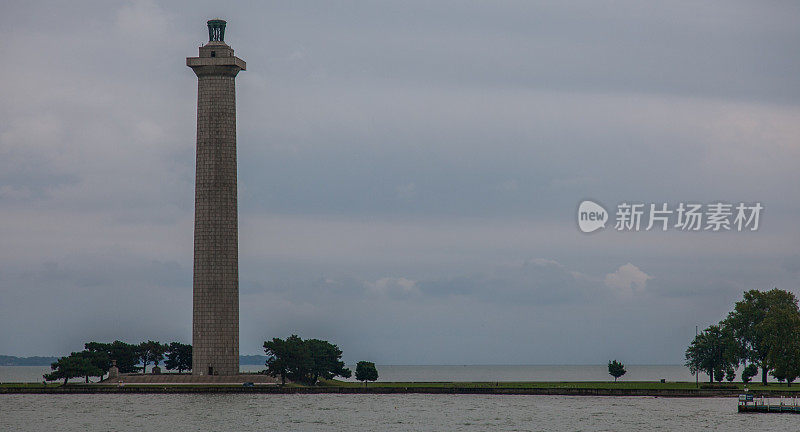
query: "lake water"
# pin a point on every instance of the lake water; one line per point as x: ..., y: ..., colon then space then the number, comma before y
x: 409, y: 412
x: 455, y: 373
x: 325, y: 412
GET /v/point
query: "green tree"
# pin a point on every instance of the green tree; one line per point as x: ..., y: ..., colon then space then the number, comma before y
x: 304, y: 361
x: 73, y: 366
x: 126, y: 355
x: 782, y: 327
x: 616, y: 369
x: 179, y: 357
x: 754, y: 341
x: 277, y: 364
x: 98, y: 357
x: 779, y: 375
x: 288, y: 358
x: 151, y: 351
x: 326, y: 361
x: 100, y: 363
x: 730, y: 374
x: 784, y: 372
x: 712, y: 351
x: 749, y: 372
x: 366, y: 371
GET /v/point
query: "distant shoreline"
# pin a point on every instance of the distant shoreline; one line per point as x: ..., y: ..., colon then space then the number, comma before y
x: 26, y: 361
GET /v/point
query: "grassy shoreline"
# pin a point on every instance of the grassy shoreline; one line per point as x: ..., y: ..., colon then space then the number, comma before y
x: 564, y: 388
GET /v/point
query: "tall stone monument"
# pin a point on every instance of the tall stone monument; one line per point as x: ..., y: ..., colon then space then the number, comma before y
x: 215, y: 329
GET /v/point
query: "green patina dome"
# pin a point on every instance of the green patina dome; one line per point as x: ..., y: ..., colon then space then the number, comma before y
x: 216, y: 30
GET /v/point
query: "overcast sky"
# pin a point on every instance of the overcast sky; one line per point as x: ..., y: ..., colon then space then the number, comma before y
x: 409, y: 173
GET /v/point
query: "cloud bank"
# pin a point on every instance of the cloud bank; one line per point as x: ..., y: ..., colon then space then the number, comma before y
x: 408, y: 173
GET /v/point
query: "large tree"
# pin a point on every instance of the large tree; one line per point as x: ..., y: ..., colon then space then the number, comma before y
x: 99, y: 361
x: 304, y: 361
x: 782, y: 329
x: 126, y: 355
x: 746, y: 319
x: 288, y: 358
x: 151, y: 351
x: 179, y: 357
x: 713, y: 351
x: 325, y: 360
x: 73, y: 366
x: 98, y: 357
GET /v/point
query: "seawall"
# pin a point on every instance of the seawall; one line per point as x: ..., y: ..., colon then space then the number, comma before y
x: 262, y: 389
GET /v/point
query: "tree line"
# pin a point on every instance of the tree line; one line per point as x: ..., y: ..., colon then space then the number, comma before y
x: 96, y: 359
x: 307, y: 361
x: 295, y: 359
x: 761, y: 332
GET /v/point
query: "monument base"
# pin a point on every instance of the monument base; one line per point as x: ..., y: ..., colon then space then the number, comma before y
x: 175, y: 378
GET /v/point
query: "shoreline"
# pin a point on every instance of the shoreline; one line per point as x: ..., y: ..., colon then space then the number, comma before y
x: 534, y: 389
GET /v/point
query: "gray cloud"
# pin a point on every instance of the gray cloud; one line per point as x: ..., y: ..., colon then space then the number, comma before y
x: 537, y: 281
x: 400, y: 165
x: 792, y: 264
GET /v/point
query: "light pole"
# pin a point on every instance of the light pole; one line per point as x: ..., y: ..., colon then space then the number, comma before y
x: 696, y: 370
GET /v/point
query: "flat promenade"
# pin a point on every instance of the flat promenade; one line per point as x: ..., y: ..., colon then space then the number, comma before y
x: 173, y: 379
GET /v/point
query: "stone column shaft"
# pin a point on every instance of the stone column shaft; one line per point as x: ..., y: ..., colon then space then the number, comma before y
x: 215, y: 329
